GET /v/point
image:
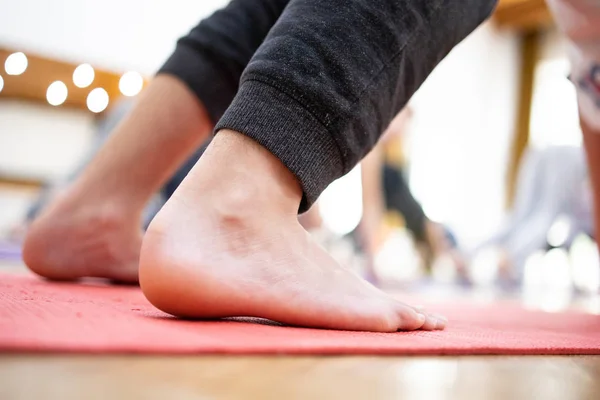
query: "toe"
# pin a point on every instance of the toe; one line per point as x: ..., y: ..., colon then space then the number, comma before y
x: 409, y: 319
x: 420, y: 309
x: 430, y: 323
x: 413, y: 318
x: 434, y: 322
x: 441, y: 321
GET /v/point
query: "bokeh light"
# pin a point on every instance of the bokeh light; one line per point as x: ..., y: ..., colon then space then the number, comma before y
x: 131, y: 83
x: 97, y: 100
x: 57, y: 93
x: 83, y: 76
x: 16, y: 64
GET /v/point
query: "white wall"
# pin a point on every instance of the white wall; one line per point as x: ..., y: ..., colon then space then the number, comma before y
x: 554, y: 113
x: 39, y: 141
x: 461, y: 134
x: 118, y: 35
x: 13, y: 208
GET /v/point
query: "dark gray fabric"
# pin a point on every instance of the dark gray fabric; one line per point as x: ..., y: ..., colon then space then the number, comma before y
x: 212, y: 57
x: 328, y: 77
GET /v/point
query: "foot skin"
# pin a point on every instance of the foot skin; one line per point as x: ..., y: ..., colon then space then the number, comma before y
x: 228, y: 243
x: 79, y: 237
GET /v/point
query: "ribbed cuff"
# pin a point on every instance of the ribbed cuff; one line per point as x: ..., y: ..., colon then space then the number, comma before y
x: 290, y: 132
x: 203, y: 77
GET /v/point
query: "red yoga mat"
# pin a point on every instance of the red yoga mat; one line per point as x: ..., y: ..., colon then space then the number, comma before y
x: 39, y: 316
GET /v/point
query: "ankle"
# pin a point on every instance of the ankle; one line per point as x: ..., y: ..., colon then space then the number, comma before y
x: 242, y: 176
x: 82, y: 200
x: 100, y: 212
x: 98, y: 199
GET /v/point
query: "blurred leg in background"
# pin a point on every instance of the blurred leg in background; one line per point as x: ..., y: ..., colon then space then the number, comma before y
x: 386, y: 194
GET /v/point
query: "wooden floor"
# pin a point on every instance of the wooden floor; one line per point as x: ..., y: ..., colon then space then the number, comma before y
x: 62, y: 377
x: 280, y: 377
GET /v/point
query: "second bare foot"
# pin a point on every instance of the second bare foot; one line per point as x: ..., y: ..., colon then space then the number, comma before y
x: 80, y: 237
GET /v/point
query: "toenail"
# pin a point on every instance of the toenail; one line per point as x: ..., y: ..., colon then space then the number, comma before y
x: 421, y: 318
x: 440, y: 323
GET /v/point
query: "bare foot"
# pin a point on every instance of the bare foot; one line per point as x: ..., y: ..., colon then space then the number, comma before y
x: 228, y: 243
x: 80, y: 237
x: 94, y: 228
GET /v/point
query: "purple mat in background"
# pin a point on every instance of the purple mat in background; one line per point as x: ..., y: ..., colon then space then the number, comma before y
x: 10, y: 250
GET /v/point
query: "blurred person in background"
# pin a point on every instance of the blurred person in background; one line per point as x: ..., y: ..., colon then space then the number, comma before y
x: 388, y: 202
x: 579, y: 20
x: 553, y: 204
x: 553, y: 185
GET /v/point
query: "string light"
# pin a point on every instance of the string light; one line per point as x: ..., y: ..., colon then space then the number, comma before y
x: 131, y: 83
x: 97, y: 100
x: 57, y: 93
x: 83, y: 76
x: 15, y: 64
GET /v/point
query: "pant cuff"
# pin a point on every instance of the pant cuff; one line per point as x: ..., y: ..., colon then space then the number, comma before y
x: 290, y: 132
